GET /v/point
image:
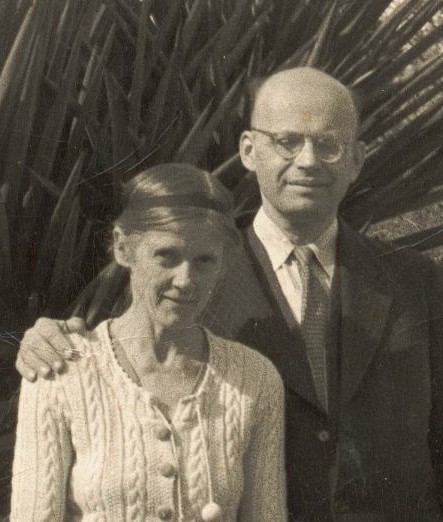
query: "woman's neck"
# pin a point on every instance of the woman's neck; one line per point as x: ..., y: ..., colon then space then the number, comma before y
x: 152, y: 346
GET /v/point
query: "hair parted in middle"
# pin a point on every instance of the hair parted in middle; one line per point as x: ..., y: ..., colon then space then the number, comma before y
x: 168, y: 194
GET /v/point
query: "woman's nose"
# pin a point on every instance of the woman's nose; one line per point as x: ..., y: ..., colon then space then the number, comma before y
x: 183, y: 276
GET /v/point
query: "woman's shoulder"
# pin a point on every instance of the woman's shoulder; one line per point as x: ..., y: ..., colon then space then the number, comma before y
x: 88, y: 348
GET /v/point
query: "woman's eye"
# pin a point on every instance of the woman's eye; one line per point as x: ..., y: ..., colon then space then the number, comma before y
x: 206, y: 259
x: 167, y: 257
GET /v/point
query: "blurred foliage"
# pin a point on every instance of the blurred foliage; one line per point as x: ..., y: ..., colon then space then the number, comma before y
x: 92, y: 91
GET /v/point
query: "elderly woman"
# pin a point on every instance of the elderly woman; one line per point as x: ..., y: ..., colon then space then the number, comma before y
x: 158, y: 419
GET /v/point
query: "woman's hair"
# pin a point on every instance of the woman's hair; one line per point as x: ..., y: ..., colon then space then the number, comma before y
x: 163, y: 196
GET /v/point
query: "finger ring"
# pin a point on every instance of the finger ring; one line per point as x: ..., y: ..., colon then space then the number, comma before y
x: 64, y: 327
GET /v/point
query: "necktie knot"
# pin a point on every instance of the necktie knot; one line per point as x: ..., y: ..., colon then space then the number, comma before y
x: 303, y: 255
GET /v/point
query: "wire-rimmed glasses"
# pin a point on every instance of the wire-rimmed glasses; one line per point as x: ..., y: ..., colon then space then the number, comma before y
x: 326, y: 146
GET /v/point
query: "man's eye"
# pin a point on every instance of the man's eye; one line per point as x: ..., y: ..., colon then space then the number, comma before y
x: 327, y: 143
x: 290, y: 142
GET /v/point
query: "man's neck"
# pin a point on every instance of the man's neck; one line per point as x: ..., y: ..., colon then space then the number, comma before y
x: 299, y: 228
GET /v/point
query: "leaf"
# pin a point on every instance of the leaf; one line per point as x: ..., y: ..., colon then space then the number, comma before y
x: 236, y: 55
x: 46, y: 183
x: 194, y: 21
x: 61, y: 272
x: 56, y: 226
x: 64, y: 35
x: 121, y: 146
x: 16, y: 65
x: 322, y: 36
x: 112, y: 280
x: 6, y: 272
x: 139, y: 66
x: 160, y: 102
x: 192, y: 150
x: 25, y: 110
x: 375, y: 80
x: 12, y: 17
x: 190, y: 107
x: 89, y: 94
x: 195, y: 131
x: 287, y: 25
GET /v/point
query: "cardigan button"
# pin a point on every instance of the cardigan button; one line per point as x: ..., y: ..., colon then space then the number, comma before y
x: 324, y: 436
x: 164, y: 513
x: 167, y: 470
x: 341, y: 507
x: 162, y: 433
x: 211, y: 512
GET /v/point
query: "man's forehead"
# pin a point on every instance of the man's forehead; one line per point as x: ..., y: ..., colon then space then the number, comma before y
x: 307, y: 95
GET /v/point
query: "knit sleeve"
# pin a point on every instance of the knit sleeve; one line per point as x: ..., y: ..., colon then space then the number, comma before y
x: 43, y: 454
x: 264, y: 496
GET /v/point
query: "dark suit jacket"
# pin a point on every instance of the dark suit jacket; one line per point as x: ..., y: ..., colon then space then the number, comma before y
x: 368, y: 459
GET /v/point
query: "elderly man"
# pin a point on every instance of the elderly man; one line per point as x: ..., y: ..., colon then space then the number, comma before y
x: 350, y: 328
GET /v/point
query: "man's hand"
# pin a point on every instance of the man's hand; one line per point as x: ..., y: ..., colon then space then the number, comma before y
x: 45, y: 348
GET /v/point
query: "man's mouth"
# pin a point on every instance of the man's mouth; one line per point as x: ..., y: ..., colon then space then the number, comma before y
x: 306, y: 182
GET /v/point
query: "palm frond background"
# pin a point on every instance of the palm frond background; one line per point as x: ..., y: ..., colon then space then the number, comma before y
x: 93, y: 90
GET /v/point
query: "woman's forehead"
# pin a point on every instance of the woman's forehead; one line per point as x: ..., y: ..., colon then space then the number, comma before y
x: 192, y: 235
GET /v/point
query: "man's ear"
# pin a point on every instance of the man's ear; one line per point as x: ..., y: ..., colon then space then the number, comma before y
x: 122, y: 247
x: 247, y: 150
x: 359, y: 153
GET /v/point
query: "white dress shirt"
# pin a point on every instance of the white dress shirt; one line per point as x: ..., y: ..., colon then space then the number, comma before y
x: 279, y: 247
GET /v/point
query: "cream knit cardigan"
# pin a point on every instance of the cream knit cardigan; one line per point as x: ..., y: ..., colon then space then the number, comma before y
x: 92, y: 446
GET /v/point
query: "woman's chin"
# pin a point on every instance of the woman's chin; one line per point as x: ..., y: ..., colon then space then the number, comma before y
x: 178, y: 320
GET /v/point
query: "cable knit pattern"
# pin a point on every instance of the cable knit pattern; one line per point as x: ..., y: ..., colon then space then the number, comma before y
x: 195, y: 460
x: 92, y: 446
x: 50, y: 463
x: 95, y: 420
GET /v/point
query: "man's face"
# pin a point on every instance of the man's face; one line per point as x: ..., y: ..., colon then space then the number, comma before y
x: 307, y: 186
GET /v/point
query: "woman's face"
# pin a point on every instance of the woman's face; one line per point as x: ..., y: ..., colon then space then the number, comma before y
x: 173, y: 274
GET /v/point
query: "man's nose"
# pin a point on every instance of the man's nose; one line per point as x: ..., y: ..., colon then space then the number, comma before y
x: 183, y: 276
x: 307, y: 157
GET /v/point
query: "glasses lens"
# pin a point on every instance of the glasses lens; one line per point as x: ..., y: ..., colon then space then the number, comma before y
x: 289, y: 146
x: 327, y: 148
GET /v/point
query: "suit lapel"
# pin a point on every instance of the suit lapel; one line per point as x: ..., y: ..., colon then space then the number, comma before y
x: 287, y: 351
x: 365, y: 304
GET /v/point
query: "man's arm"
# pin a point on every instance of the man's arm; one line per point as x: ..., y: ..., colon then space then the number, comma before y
x: 44, y: 348
x: 435, y: 437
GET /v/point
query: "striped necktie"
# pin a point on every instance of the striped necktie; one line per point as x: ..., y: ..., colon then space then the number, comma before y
x: 314, y: 318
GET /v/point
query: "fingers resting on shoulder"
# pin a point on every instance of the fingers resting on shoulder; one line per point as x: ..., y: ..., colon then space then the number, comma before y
x: 45, y: 347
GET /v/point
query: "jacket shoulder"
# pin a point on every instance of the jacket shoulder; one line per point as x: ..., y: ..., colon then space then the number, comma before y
x: 397, y: 263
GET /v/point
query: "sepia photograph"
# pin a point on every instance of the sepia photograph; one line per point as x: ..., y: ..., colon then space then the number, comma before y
x: 221, y: 256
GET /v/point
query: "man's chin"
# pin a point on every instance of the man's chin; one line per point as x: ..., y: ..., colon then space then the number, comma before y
x: 306, y: 206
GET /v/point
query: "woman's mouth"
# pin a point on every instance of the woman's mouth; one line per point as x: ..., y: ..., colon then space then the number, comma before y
x: 182, y: 301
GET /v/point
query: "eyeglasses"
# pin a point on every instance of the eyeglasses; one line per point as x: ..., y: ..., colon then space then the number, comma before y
x: 289, y: 146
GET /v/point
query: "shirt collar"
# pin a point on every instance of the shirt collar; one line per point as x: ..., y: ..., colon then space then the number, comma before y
x: 278, y: 246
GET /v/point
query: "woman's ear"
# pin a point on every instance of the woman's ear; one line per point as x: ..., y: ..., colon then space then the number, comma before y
x: 122, y: 247
x: 247, y: 150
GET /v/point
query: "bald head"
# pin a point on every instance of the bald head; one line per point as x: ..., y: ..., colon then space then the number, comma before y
x: 305, y: 90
